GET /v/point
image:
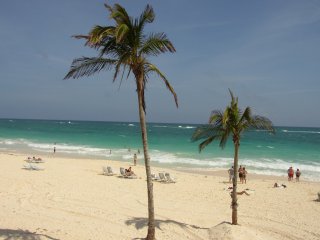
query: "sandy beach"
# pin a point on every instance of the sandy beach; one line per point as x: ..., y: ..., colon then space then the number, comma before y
x: 71, y: 199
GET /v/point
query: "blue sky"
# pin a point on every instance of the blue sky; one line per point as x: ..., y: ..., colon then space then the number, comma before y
x: 267, y: 52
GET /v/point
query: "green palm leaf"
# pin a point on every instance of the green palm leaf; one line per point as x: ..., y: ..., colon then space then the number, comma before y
x: 87, y: 66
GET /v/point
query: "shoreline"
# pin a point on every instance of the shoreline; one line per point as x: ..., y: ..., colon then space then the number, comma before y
x: 218, y: 172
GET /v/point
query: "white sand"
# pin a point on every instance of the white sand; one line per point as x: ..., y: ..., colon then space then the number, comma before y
x: 71, y: 199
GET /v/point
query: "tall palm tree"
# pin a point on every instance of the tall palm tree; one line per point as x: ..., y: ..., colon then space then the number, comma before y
x: 232, y: 121
x: 125, y: 47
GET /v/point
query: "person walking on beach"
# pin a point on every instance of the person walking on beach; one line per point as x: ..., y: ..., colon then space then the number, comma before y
x: 298, y: 173
x: 240, y: 171
x: 290, y: 174
x: 135, y: 159
x: 244, y: 175
x: 231, y: 174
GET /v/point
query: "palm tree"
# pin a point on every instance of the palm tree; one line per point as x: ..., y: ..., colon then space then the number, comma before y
x: 232, y: 121
x: 125, y: 47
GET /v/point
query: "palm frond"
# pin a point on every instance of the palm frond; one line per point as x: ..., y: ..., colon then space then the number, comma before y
x: 156, y: 44
x: 88, y: 66
x: 259, y: 122
x: 205, y: 143
x: 121, y: 32
x: 150, y: 68
x: 246, y: 116
x: 119, y: 14
x: 216, y: 117
x: 147, y: 16
x: 225, y: 133
x: 96, y: 35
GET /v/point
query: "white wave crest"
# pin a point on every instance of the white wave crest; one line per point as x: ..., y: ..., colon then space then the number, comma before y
x: 291, y: 131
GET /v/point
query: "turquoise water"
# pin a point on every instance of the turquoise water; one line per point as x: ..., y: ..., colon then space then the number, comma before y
x: 169, y: 145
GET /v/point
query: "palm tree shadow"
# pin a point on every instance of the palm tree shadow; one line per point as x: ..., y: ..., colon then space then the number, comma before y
x: 19, y: 234
x: 140, y: 223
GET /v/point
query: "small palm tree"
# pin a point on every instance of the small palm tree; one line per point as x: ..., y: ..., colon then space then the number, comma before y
x: 125, y: 47
x: 230, y: 122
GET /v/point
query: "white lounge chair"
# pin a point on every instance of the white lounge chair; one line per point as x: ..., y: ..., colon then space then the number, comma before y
x: 110, y: 171
x: 32, y: 167
x: 125, y: 175
x: 27, y: 167
x: 169, y: 178
x: 154, y: 177
x: 162, y: 177
x: 107, y: 171
x: 122, y: 172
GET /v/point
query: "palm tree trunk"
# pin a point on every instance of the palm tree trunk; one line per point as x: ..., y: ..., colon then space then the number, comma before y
x: 234, y: 203
x: 151, y: 224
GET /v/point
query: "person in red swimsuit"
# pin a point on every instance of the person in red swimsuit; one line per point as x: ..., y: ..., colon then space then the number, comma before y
x: 290, y: 174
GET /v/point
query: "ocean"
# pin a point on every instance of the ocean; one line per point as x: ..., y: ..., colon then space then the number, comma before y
x: 170, y: 145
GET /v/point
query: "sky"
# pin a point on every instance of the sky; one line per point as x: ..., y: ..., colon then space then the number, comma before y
x: 266, y: 52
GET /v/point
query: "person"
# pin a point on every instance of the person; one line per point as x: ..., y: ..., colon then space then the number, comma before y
x: 135, y: 159
x: 129, y: 172
x: 240, y: 171
x: 298, y: 173
x: 54, y: 149
x: 244, y: 175
x: 290, y: 174
x: 238, y: 193
x: 231, y: 174
x: 277, y: 185
x: 110, y: 152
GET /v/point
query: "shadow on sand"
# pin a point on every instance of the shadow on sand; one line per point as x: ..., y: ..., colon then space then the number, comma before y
x: 140, y: 223
x: 19, y: 234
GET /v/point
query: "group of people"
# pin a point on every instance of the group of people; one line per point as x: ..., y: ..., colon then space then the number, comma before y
x: 291, y: 174
x: 242, y: 174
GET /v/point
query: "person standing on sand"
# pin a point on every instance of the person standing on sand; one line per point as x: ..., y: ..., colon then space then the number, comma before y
x: 290, y: 174
x: 298, y: 173
x: 231, y: 174
x: 244, y: 175
x: 240, y: 174
x: 135, y: 159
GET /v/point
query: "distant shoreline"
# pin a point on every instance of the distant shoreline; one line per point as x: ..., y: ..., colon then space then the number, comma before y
x: 218, y: 172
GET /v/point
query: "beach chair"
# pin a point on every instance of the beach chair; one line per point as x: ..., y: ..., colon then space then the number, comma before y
x: 110, y: 171
x: 154, y: 177
x: 169, y: 178
x: 32, y: 167
x: 124, y: 174
x: 107, y: 171
x: 162, y: 177
x: 35, y: 167
x: 27, y: 167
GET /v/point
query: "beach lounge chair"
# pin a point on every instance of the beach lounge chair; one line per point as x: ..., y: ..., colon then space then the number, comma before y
x: 169, y: 178
x: 122, y: 172
x: 110, y: 171
x: 162, y: 177
x: 32, y: 167
x: 107, y: 171
x: 125, y: 175
x: 154, y: 177
x: 27, y: 167
x: 35, y: 167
